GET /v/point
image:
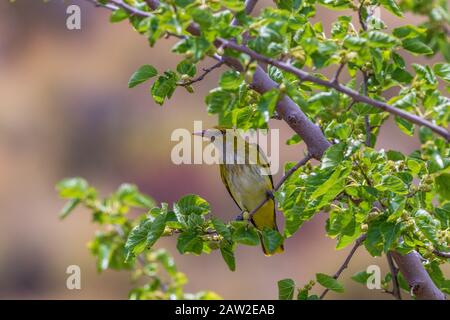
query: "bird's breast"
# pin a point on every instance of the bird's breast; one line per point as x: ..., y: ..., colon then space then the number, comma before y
x: 250, y: 186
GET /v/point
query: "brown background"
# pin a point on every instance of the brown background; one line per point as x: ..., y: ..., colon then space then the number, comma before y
x: 65, y: 110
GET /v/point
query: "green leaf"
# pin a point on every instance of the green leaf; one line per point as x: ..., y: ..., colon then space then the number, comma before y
x: 404, y: 125
x: 221, y: 228
x: 246, y: 235
x: 141, y: 75
x: 286, y: 289
x: 355, y: 43
x: 235, y: 5
x: 137, y: 238
x: 393, y: 184
x: 164, y: 87
x: 129, y: 194
x: 443, y: 185
x: 156, y: 230
x: 227, y: 251
x: 392, y: 7
x: 189, y: 242
x: 408, y: 31
x: 186, y: 67
x: 416, y: 46
x: 272, y: 239
x: 293, y: 140
x: 68, y: 208
x: 267, y: 104
x: 144, y: 235
x: 442, y: 70
x: 118, y: 15
x: 361, y: 277
x: 329, y: 282
x: 390, y: 232
x: 231, y: 80
x: 378, y: 39
x: 333, y: 156
x: 191, y: 204
x: 374, y: 240
x: 218, y: 100
x: 76, y: 188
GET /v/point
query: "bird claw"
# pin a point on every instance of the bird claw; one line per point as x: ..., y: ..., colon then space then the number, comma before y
x: 243, y: 216
x: 270, y: 195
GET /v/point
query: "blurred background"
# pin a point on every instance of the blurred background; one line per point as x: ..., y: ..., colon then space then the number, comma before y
x: 65, y: 110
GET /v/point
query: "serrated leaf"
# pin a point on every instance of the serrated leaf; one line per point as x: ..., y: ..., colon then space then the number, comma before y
x: 227, y: 251
x: 186, y: 67
x: 333, y: 156
x: 221, y: 228
x: 189, y: 242
x: 329, y: 282
x: 416, y: 46
x: 164, y: 87
x: 286, y: 289
x: 392, y: 7
x: 76, y: 188
x: 69, y: 207
x: 118, y: 15
x: 272, y: 239
x: 361, y: 277
x: 191, y: 204
x: 442, y: 70
x: 141, y: 75
x: 246, y: 235
x: 378, y: 39
x: 231, y: 80
x: 404, y: 125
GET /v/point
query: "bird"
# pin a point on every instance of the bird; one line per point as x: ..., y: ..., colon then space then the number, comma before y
x: 245, y: 172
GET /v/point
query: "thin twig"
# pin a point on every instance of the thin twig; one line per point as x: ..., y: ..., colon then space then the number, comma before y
x: 442, y: 254
x: 133, y: 10
x: 203, y: 75
x: 394, y: 273
x: 107, y: 5
x: 358, y: 242
x: 366, y: 117
x: 360, y: 15
x: 338, y: 73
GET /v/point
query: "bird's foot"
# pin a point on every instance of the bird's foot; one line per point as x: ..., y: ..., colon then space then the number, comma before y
x: 243, y: 216
x: 270, y: 195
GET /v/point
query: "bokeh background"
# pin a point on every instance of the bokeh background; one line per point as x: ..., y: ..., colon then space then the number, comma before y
x: 65, y: 110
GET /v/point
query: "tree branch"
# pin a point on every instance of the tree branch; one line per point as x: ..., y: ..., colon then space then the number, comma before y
x: 394, y: 273
x: 441, y: 254
x: 206, y: 71
x: 344, y: 266
x: 418, y: 278
x: 305, y: 76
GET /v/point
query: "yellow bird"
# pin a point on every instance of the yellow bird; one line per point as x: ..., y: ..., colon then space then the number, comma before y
x: 244, y: 170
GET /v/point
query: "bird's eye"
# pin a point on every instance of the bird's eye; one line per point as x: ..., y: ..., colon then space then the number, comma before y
x: 213, y: 138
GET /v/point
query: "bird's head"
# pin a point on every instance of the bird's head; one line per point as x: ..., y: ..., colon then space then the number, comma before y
x: 215, y: 135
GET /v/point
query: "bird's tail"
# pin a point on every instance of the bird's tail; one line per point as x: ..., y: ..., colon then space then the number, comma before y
x: 265, y: 218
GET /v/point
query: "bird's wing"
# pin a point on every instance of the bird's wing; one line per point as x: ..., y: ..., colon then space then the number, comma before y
x: 223, y: 175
